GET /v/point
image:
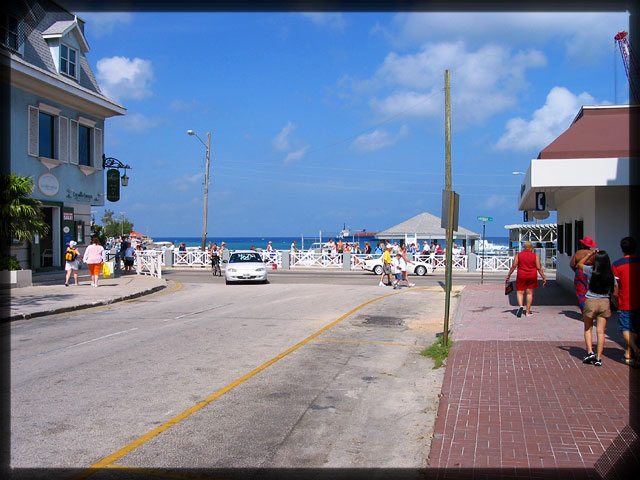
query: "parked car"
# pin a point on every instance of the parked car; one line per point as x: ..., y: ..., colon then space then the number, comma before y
x: 245, y: 266
x: 416, y: 268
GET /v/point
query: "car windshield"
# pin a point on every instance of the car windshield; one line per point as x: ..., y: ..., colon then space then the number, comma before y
x: 245, y: 257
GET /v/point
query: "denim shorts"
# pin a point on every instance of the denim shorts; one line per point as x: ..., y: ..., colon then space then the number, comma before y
x: 398, y: 276
x: 629, y: 320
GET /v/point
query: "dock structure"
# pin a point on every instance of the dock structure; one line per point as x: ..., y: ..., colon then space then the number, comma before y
x: 426, y: 226
x: 545, y: 234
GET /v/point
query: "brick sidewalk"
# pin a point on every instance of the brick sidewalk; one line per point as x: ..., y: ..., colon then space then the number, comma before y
x: 516, y: 396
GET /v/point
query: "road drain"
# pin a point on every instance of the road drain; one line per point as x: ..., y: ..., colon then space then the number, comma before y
x: 384, y: 321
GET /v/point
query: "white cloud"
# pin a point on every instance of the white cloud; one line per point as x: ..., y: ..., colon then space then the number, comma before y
x: 187, y: 182
x: 549, y: 121
x: 332, y: 20
x: 377, y: 139
x: 281, y: 141
x: 138, y: 123
x: 484, y: 81
x: 121, y: 77
x: 586, y: 36
x: 297, y: 155
x: 495, y: 201
x: 102, y: 24
x: 181, y: 105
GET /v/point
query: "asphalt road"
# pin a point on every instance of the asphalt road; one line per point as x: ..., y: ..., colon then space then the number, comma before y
x: 306, y: 371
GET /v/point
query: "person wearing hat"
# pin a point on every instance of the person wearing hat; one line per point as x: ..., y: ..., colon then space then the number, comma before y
x: 71, y: 262
x: 386, y: 265
x: 527, y: 262
x: 580, y: 281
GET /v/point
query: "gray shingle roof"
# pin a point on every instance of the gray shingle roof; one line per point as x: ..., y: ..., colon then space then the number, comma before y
x: 425, y: 225
x: 59, y: 28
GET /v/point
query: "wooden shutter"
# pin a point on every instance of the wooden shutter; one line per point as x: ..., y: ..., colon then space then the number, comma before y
x: 560, y: 238
x: 73, y: 142
x: 568, y: 238
x: 97, y: 148
x: 579, y: 233
x: 33, y: 132
x: 64, y: 140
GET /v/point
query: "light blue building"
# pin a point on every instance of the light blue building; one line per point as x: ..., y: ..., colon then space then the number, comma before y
x: 57, y: 121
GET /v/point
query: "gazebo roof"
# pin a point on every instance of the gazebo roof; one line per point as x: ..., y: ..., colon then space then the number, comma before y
x: 423, y: 225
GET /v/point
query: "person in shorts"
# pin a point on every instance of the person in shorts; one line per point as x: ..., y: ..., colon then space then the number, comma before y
x: 602, y: 284
x: 386, y: 266
x: 627, y: 273
x: 71, y: 262
x: 129, y: 258
x: 396, y: 268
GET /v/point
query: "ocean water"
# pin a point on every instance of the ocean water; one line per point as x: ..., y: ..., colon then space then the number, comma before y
x: 280, y: 243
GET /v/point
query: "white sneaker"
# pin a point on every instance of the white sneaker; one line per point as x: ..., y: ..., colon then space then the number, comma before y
x: 412, y: 284
x: 381, y: 284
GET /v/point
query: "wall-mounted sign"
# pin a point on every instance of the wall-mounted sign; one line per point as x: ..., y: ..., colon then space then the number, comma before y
x: 66, y: 229
x: 113, y: 185
x: 48, y: 184
x: 67, y: 216
x: 541, y: 201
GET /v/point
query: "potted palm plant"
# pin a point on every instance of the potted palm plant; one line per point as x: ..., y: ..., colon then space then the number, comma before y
x: 20, y: 219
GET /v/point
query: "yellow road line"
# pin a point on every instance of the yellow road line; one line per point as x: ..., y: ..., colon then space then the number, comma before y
x: 370, y: 343
x: 159, y: 473
x: 114, y: 457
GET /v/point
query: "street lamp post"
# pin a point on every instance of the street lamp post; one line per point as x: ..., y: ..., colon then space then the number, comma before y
x: 206, y: 184
x: 122, y: 224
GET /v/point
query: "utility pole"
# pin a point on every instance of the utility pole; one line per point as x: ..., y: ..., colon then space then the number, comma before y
x: 447, y: 182
x: 206, y: 193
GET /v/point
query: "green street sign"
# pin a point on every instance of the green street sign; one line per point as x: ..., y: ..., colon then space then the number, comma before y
x: 485, y: 219
x: 113, y: 185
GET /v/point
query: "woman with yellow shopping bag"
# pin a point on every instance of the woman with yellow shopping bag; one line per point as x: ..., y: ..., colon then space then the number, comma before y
x: 94, y: 256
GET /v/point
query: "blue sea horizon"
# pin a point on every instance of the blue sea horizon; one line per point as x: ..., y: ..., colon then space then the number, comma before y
x: 279, y: 243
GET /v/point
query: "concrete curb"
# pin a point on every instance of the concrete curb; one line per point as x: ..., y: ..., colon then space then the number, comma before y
x: 26, y: 316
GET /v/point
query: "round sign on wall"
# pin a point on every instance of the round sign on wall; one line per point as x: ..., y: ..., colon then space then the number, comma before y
x: 48, y: 184
x: 66, y: 229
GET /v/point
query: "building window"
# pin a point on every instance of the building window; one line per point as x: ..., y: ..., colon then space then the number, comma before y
x: 9, y: 32
x: 68, y: 60
x: 84, y: 145
x: 46, y: 144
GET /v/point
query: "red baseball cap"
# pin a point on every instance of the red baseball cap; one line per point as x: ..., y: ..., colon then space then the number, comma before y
x: 588, y: 242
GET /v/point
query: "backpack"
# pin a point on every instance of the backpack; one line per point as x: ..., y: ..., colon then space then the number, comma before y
x: 71, y: 255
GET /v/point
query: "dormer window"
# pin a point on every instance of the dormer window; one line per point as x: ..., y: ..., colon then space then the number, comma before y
x: 68, y: 62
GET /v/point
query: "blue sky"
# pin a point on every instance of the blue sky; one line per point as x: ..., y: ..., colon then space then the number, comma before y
x: 322, y: 119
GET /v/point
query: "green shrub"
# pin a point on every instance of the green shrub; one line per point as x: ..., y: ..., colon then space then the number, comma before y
x: 9, y: 262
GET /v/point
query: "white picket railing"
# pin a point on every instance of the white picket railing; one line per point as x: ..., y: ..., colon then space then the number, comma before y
x: 149, y: 262
x: 494, y: 263
x: 310, y: 258
x: 458, y: 262
x: 313, y: 259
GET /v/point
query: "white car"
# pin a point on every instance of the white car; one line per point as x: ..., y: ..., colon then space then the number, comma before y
x: 417, y: 267
x: 245, y: 266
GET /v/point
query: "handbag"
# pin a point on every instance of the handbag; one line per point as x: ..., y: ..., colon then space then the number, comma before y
x: 508, y: 288
x: 106, y: 273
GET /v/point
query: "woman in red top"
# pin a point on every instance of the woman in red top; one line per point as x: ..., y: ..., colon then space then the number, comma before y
x: 528, y: 264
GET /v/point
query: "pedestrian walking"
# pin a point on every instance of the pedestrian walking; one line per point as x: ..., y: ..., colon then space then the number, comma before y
x: 386, y: 266
x: 94, y: 256
x: 626, y: 271
x: 215, y: 260
x: 528, y: 264
x: 129, y: 258
x: 396, y: 269
x: 403, y: 266
x: 580, y: 282
x: 602, y: 284
x: 71, y: 262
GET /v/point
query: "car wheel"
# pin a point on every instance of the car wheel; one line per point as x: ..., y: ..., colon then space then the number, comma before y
x: 377, y: 270
x: 421, y: 270
x: 227, y: 282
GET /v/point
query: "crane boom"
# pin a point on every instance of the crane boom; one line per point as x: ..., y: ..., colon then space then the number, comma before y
x: 629, y: 61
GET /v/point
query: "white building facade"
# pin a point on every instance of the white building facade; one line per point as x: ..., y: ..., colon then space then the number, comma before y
x: 586, y: 175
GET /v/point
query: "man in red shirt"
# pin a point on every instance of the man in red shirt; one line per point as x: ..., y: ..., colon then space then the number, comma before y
x: 627, y: 272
